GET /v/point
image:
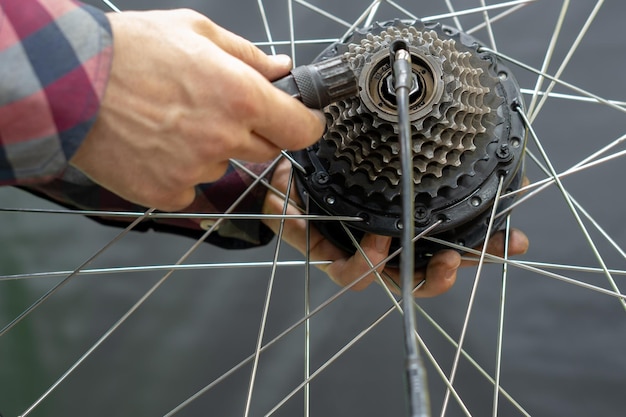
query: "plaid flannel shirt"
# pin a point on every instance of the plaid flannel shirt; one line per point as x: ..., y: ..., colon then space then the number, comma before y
x: 55, y: 58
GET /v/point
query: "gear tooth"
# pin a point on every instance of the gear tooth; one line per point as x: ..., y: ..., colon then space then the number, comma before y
x: 447, y: 141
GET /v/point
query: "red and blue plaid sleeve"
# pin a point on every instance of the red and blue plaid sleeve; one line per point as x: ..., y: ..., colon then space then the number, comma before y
x: 55, y: 57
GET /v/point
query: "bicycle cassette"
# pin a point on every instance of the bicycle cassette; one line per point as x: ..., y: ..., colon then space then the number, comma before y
x: 466, y: 136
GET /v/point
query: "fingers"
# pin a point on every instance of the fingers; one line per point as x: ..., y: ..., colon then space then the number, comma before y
x: 518, y: 245
x: 345, y: 271
x: 438, y: 276
x: 283, y: 121
x: 271, y: 67
x: 287, y: 122
x: 440, y: 273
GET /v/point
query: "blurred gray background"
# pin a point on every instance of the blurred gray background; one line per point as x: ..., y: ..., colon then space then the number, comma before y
x: 563, y: 346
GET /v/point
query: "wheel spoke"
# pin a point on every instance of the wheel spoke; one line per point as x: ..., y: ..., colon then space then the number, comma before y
x: 292, y: 37
x: 487, y: 20
x: 570, y: 204
x: 142, y: 300
x: 476, y: 10
x: 556, y: 80
x: 266, y: 26
x: 570, y: 53
x: 571, y: 97
x: 330, y: 361
x: 287, y: 331
x: 455, y: 18
x: 360, y: 19
x: 550, y: 52
x: 73, y: 274
x: 500, y: 334
x: 469, y: 358
x: 561, y: 46
x: 307, y: 312
x: 496, y: 18
x: 529, y: 267
x: 470, y: 304
x: 322, y: 12
x: 268, y: 297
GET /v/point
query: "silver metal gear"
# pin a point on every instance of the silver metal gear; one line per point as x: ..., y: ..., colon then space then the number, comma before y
x: 465, y: 136
x: 453, y: 115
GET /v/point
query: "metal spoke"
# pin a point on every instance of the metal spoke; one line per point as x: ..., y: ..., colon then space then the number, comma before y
x: 330, y: 361
x: 549, y: 53
x: 401, y: 9
x: 287, y: 331
x: 268, y: 297
x: 492, y: 38
x: 505, y: 271
x: 112, y: 6
x: 142, y: 300
x: 571, y: 97
x: 163, y: 267
x: 555, y: 79
x: 470, y: 304
x: 372, y: 15
x: 496, y: 18
x: 292, y: 36
x: 73, y: 274
x: 320, y: 41
x: 457, y: 21
x: 266, y: 26
x: 360, y: 19
x: 323, y: 12
x: 570, y: 203
x: 307, y: 311
x: 469, y: 358
x: 476, y: 10
x: 570, y: 53
x: 529, y: 267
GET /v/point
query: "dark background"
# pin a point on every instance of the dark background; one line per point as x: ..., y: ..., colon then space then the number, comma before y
x: 563, y: 346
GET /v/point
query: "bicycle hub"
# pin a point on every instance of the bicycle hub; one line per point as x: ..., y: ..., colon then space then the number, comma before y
x: 466, y: 137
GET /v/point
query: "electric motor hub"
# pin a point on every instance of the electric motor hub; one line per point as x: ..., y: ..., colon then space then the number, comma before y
x: 466, y: 137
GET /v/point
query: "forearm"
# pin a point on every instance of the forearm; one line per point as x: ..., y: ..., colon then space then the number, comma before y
x: 54, y: 64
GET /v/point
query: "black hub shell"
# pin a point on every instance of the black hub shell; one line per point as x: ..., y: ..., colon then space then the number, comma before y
x: 461, y: 197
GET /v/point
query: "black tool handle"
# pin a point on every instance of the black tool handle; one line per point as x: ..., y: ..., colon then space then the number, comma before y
x: 320, y: 84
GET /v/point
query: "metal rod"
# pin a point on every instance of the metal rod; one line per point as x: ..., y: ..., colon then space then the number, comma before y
x: 418, y: 401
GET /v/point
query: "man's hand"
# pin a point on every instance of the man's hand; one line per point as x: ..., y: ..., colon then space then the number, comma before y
x: 440, y: 273
x: 184, y: 96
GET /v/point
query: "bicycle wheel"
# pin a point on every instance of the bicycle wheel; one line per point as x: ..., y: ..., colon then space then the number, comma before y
x: 561, y: 336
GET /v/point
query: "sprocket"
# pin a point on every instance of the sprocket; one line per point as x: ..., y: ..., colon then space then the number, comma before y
x: 465, y: 135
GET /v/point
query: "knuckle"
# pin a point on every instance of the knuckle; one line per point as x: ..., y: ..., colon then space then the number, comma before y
x: 190, y: 15
x: 245, y: 103
x: 199, y: 22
